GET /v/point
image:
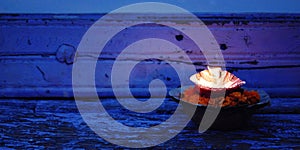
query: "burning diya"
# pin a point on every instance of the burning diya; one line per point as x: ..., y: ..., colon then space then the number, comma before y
x: 217, y: 87
x: 217, y: 80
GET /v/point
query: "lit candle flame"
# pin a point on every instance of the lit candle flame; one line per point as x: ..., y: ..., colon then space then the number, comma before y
x: 216, y: 77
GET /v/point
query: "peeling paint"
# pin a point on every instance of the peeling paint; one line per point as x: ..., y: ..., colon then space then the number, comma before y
x: 65, y: 54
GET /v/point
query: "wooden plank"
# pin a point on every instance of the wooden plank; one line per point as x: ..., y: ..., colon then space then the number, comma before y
x: 37, y: 77
x: 39, y: 74
x: 56, y: 123
x: 44, y: 40
x: 34, y: 37
x: 67, y: 93
x: 42, y: 71
x: 277, y: 106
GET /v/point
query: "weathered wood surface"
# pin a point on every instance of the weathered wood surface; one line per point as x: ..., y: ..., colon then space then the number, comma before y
x: 262, y: 49
x: 58, y: 124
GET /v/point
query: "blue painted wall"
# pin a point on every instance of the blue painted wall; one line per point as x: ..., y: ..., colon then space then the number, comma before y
x: 36, y: 50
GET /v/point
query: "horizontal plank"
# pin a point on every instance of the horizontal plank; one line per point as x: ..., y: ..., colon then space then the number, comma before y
x: 56, y: 123
x: 230, y: 60
x: 45, y: 40
x: 67, y: 92
x: 253, y: 33
x: 277, y: 106
x: 49, y: 73
x: 30, y: 105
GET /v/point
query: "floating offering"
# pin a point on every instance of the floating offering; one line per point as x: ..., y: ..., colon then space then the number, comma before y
x: 216, y: 80
x: 217, y: 87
